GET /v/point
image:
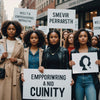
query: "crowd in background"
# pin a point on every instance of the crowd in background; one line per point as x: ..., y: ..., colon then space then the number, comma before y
x: 34, y: 50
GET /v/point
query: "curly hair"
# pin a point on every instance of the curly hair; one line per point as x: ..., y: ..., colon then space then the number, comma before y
x: 66, y: 41
x: 76, y: 41
x: 5, y: 25
x: 82, y: 64
x: 40, y: 36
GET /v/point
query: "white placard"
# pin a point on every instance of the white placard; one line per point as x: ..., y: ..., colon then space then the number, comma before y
x: 76, y: 24
x: 27, y: 17
x: 84, y: 62
x: 51, y: 85
x: 61, y: 18
x: 96, y: 25
x: 1, y: 49
x: 44, y: 29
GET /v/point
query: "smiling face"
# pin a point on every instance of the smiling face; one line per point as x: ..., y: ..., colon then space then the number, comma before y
x: 83, y: 38
x: 11, y: 31
x: 34, y: 39
x: 54, y: 38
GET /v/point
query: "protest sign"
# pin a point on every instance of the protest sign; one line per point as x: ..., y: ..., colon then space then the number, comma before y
x: 44, y: 29
x: 96, y: 25
x: 50, y: 85
x: 61, y: 18
x: 84, y: 63
x: 27, y: 17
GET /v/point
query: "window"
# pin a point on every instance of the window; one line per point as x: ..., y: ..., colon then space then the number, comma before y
x: 89, y: 19
x: 58, y: 1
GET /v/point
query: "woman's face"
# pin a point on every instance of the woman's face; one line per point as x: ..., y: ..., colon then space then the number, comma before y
x: 71, y: 39
x: 83, y: 38
x: 65, y: 35
x: 53, y: 38
x: 22, y: 35
x: 11, y: 30
x: 94, y: 41
x: 34, y: 39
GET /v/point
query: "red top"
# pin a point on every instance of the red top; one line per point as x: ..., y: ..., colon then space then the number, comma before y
x: 69, y: 50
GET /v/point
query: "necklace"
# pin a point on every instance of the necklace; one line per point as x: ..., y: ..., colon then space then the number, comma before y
x: 54, y: 52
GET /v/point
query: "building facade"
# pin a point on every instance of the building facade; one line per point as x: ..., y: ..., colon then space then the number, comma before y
x: 30, y: 4
x: 42, y: 6
x: 85, y: 10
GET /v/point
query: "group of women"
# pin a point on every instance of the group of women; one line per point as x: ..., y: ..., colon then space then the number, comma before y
x: 16, y: 58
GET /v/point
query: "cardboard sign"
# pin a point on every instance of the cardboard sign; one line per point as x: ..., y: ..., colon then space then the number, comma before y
x: 51, y: 85
x: 84, y: 63
x: 61, y: 18
x: 76, y: 24
x: 44, y: 29
x: 27, y: 17
x: 96, y: 25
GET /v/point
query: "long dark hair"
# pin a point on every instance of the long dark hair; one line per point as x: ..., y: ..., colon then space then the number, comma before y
x: 76, y: 41
x: 66, y: 41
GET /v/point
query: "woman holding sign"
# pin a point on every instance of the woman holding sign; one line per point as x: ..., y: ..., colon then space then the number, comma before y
x: 85, y: 83
x: 55, y: 57
x: 11, y: 60
x: 34, y: 40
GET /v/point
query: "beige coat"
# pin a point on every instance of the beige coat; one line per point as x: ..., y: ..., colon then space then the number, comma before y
x: 26, y: 55
x: 10, y: 85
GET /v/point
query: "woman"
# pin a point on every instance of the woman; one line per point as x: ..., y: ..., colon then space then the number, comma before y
x: 33, y: 53
x: 95, y: 42
x: 64, y: 36
x: 84, y: 83
x: 69, y: 43
x: 55, y: 57
x: 12, y: 60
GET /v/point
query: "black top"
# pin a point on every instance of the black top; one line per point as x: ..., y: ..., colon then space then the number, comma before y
x: 53, y: 61
x: 58, y: 59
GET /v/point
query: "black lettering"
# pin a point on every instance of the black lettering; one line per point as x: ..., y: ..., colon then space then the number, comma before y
x: 31, y: 91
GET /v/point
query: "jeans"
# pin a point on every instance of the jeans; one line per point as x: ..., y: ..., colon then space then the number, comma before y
x: 85, y: 87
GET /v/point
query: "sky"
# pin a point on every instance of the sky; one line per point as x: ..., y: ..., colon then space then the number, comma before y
x: 9, y: 6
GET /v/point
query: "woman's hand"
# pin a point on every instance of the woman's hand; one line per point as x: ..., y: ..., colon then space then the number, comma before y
x: 72, y: 82
x: 4, y: 55
x: 41, y: 69
x: 22, y: 77
x: 98, y: 62
x: 13, y: 60
x: 71, y: 63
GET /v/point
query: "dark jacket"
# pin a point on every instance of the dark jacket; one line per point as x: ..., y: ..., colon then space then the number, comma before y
x: 94, y: 75
x: 63, y: 56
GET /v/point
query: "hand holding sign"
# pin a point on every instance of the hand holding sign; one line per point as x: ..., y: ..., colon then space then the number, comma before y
x: 4, y: 55
x: 71, y: 63
x: 98, y: 62
x: 85, y: 62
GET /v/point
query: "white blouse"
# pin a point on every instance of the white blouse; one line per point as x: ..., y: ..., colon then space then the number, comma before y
x: 10, y: 47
